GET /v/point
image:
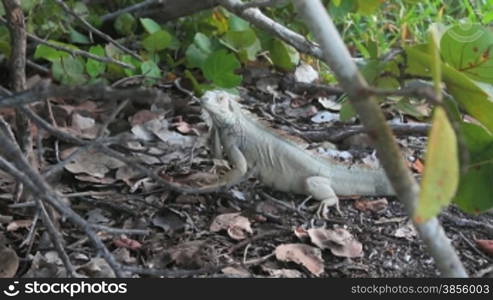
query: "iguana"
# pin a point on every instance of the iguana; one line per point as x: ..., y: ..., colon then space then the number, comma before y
x: 281, y: 164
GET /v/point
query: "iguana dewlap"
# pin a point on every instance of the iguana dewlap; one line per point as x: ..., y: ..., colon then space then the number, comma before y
x: 282, y: 164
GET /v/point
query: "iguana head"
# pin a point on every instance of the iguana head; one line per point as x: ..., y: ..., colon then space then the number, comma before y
x: 221, y: 106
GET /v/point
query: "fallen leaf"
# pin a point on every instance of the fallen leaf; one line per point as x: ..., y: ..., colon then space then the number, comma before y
x: 188, y: 254
x: 376, y: 206
x: 96, y: 268
x: 308, y: 256
x: 236, y: 271
x: 125, y: 242
x: 143, y: 116
x: 330, y: 103
x: 406, y: 231
x: 282, y: 273
x: 339, y: 241
x: 9, y: 262
x: 486, y: 246
x: 91, y: 162
x: 236, y: 225
x: 48, y: 265
x: 168, y: 220
x: 418, y: 166
x: 325, y: 117
x: 305, y: 73
x: 15, y: 225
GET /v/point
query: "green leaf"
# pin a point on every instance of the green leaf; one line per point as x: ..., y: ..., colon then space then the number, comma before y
x: 244, y: 42
x: 78, y: 38
x: 150, y: 69
x: 131, y: 61
x: 219, y: 68
x: 368, y: 7
x: 198, y: 51
x: 125, y: 24
x: 49, y: 53
x: 157, y: 41
x: 5, y: 41
x: 69, y: 70
x: 470, y: 95
x: 283, y: 55
x: 149, y: 25
x: 441, y: 175
x: 475, y: 193
x: 347, y: 112
x: 238, y: 24
x: 93, y: 67
x: 469, y: 49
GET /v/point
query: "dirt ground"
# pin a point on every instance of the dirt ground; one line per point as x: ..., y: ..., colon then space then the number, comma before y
x: 181, y: 237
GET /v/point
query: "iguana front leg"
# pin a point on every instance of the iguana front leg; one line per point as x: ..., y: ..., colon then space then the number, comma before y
x: 320, y: 189
x: 239, y: 170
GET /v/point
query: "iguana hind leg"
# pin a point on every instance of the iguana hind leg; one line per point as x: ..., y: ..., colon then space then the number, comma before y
x: 320, y: 189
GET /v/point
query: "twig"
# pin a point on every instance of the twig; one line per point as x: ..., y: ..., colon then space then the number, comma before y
x: 46, y: 89
x: 463, y: 222
x: 37, y: 67
x: 120, y: 230
x: 336, y: 134
x: 12, y: 161
x: 257, y: 18
x: 260, y: 3
x: 56, y: 239
x: 135, y: 7
x: 74, y: 52
x: 338, y: 58
x: 259, y: 236
x: 97, y: 31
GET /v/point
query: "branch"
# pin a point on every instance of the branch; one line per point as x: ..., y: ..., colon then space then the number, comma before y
x: 338, y: 58
x: 75, y: 52
x: 91, y: 28
x: 97, y: 92
x: 257, y: 18
x: 38, y: 186
x: 336, y: 134
x: 129, y: 9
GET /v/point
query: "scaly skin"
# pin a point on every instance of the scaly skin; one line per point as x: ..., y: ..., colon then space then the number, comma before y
x: 283, y: 165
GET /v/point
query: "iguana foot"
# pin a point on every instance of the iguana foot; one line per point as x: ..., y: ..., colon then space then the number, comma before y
x: 320, y: 188
x: 323, y: 209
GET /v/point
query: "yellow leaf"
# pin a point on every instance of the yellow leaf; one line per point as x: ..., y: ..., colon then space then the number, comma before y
x: 441, y: 174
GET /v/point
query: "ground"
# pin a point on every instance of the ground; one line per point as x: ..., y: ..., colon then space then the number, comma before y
x: 182, y: 237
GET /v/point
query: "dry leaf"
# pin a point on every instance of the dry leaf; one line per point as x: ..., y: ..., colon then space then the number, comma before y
x: 237, y: 226
x: 339, y: 241
x: 406, y: 231
x: 308, y: 256
x: 125, y: 242
x: 236, y: 271
x: 187, y: 254
x: 91, y: 162
x: 486, y: 246
x: 376, y: 206
x: 305, y: 73
x: 15, y: 225
x: 9, y: 262
x: 96, y: 268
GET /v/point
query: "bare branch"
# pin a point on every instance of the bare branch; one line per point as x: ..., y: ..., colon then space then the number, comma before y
x: 74, y: 52
x: 132, y: 8
x: 257, y: 18
x: 338, y: 58
x: 97, y: 92
x: 97, y: 31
